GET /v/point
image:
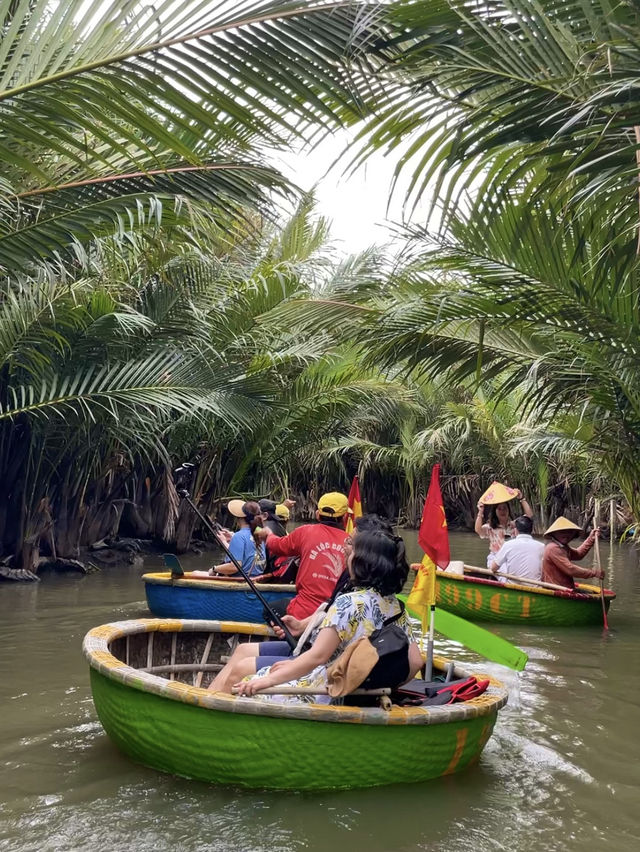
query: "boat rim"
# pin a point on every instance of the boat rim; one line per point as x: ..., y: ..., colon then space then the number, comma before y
x: 95, y: 647
x: 593, y: 593
x: 163, y: 578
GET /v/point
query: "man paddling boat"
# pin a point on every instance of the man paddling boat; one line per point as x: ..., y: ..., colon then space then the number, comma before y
x: 557, y: 564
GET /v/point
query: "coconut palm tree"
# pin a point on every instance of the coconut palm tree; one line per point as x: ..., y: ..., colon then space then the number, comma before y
x: 128, y: 132
x: 523, y: 125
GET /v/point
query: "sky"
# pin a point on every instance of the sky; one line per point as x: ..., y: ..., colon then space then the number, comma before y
x: 355, y: 203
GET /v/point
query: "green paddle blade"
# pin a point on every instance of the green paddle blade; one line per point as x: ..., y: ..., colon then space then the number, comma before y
x: 476, y: 638
x: 173, y: 564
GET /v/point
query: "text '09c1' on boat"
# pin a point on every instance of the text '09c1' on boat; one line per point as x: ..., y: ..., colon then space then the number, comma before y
x: 149, y: 679
x: 197, y: 595
x: 487, y: 599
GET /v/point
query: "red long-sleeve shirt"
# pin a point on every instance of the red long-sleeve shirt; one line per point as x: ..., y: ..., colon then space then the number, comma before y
x: 557, y: 566
x: 321, y: 551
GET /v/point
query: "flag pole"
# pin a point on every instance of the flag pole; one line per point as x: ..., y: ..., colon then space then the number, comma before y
x: 434, y: 541
x: 428, y: 669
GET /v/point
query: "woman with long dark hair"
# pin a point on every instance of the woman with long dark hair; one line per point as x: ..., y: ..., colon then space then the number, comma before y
x: 250, y: 657
x: 243, y: 545
x: 500, y: 524
x: 378, y: 569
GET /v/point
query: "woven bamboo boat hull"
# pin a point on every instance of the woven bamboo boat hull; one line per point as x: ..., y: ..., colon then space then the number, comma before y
x: 214, y: 600
x: 178, y: 727
x: 488, y: 600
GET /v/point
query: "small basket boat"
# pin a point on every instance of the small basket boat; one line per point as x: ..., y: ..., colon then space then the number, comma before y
x: 148, y: 679
x: 480, y: 599
x: 209, y: 598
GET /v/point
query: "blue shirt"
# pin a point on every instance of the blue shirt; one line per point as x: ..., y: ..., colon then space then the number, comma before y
x: 243, y: 548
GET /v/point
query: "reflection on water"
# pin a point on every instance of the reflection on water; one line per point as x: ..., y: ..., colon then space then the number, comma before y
x: 561, y: 771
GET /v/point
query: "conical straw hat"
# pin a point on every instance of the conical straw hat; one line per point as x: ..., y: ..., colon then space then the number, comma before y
x: 498, y: 493
x: 561, y: 524
x: 235, y: 508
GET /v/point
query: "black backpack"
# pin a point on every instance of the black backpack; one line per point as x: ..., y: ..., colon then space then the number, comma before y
x: 392, y: 644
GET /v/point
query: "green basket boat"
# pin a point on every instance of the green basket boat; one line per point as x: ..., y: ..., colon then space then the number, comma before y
x: 149, y: 678
x: 489, y: 600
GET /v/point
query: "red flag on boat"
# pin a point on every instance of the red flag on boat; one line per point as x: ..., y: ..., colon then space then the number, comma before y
x: 433, y: 538
x: 355, y: 505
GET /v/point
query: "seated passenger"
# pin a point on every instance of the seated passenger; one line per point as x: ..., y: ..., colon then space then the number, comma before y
x: 320, y: 548
x: 275, y: 516
x: 521, y: 556
x: 248, y: 657
x: 557, y: 566
x: 243, y: 544
x: 273, y: 520
x: 378, y: 569
x: 500, y: 524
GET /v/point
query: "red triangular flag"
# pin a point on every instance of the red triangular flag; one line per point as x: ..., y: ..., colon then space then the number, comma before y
x: 434, y: 536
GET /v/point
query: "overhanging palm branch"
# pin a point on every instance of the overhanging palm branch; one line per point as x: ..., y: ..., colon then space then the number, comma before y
x: 109, y: 109
x: 512, y: 94
x: 165, y: 384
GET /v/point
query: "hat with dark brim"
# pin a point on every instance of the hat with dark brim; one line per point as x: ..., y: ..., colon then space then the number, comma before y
x: 563, y: 524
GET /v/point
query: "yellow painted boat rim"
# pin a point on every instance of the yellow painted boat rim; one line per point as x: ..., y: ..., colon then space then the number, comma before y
x: 163, y: 578
x: 95, y: 648
x: 590, y: 592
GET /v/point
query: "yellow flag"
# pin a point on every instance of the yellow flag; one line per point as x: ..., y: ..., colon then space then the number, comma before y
x: 423, y: 594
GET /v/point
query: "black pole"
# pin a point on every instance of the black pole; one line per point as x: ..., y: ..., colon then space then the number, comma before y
x: 215, y: 529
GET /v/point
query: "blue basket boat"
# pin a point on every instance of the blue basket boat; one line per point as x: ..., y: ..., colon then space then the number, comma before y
x: 210, y: 599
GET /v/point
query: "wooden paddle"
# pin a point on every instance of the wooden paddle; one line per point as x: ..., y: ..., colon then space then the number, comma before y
x: 519, y: 579
x: 477, y: 639
x: 172, y: 562
x: 596, y: 562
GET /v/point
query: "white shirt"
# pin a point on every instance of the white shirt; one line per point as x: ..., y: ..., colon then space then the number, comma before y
x: 521, y: 557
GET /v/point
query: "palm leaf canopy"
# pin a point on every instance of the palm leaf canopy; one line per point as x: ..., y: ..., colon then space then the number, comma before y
x: 507, y: 93
x: 106, y: 104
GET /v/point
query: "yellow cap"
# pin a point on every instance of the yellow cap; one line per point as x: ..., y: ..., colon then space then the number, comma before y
x: 498, y: 493
x: 561, y: 525
x: 333, y: 505
x: 282, y: 513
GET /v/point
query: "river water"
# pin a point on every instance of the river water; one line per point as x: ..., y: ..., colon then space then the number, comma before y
x: 562, y: 770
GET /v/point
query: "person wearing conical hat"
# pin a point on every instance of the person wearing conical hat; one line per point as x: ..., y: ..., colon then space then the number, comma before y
x: 557, y: 564
x: 243, y: 544
x: 500, y: 524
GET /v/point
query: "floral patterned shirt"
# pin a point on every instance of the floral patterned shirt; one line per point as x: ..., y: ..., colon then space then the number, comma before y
x: 496, y: 535
x: 353, y: 616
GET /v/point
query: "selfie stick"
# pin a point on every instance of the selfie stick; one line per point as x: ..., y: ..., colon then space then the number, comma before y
x: 215, y: 528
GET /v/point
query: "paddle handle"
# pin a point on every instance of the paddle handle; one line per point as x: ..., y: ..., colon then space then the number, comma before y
x: 597, y: 564
x: 313, y: 690
x: 519, y: 579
